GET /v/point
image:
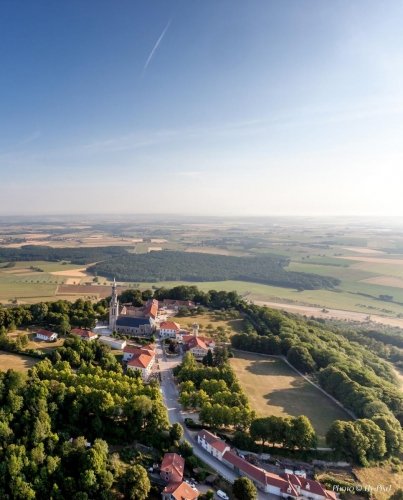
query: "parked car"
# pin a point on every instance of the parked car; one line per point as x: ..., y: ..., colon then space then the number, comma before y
x: 222, y: 494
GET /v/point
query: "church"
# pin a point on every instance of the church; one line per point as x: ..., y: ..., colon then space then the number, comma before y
x: 123, y: 323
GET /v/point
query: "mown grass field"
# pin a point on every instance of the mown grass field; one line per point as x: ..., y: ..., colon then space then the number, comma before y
x: 273, y: 388
x: 16, y: 362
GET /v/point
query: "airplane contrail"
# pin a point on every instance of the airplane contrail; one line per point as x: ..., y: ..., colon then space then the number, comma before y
x: 156, y: 45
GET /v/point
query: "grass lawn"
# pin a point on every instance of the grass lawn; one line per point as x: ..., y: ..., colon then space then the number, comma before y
x: 16, y: 362
x: 210, y: 318
x: 273, y: 388
x: 380, y: 479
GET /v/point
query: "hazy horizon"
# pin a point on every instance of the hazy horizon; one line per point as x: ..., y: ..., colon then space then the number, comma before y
x: 211, y: 109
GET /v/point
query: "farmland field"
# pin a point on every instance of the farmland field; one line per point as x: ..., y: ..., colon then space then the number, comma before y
x: 273, y: 388
x: 16, y: 362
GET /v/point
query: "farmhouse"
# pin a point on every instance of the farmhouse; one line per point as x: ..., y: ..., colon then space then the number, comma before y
x: 86, y: 335
x: 124, y: 323
x: 282, y: 486
x: 198, y: 346
x: 46, y: 335
x: 112, y: 342
x: 169, y: 329
x: 172, y: 468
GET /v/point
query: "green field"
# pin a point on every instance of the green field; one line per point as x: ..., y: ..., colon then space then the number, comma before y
x: 273, y: 388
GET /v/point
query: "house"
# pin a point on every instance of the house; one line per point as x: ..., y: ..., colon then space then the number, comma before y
x: 46, y: 335
x: 211, y: 443
x: 130, y: 351
x: 86, y: 335
x: 169, y: 329
x: 198, y: 346
x: 172, y: 468
x: 141, y: 360
x: 180, y: 491
x: 176, y: 304
x: 112, y: 342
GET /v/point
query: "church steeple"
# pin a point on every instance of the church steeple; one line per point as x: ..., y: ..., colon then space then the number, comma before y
x: 113, y: 307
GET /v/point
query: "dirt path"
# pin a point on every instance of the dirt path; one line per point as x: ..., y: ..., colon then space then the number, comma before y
x: 339, y: 314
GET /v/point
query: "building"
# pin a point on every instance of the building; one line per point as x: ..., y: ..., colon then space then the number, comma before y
x: 169, y: 329
x: 86, y: 335
x: 139, y: 359
x: 151, y: 309
x: 282, y: 486
x: 112, y: 342
x: 177, y: 304
x: 172, y: 468
x: 211, y: 443
x: 180, y: 491
x: 198, y: 346
x: 46, y: 335
x: 131, y: 351
x: 124, y: 323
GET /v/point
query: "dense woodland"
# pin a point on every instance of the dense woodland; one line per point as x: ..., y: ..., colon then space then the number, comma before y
x: 79, y: 256
x: 175, y: 266
x: 57, y: 423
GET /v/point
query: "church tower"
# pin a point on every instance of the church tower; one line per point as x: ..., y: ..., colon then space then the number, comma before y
x: 113, y: 308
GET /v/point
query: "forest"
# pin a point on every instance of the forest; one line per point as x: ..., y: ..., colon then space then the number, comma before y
x: 80, y: 256
x: 58, y: 422
x: 175, y: 266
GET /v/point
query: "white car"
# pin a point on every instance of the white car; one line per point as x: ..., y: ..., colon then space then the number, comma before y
x: 222, y: 494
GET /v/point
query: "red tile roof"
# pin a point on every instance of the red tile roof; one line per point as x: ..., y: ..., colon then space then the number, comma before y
x: 132, y: 349
x: 141, y: 361
x: 152, y: 308
x: 249, y: 469
x: 85, y: 334
x: 44, y: 333
x: 174, y: 465
x: 181, y: 491
x: 209, y: 437
x: 170, y: 325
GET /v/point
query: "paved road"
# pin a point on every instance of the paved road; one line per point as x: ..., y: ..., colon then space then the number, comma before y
x: 171, y: 395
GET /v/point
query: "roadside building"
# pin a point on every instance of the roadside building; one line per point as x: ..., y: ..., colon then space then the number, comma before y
x: 139, y: 359
x: 45, y: 335
x: 84, y: 334
x: 169, y: 329
x: 112, y: 342
x: 172, y: 468
x: 198, y: 346
x: 180, y: 491
x: 211, y: 443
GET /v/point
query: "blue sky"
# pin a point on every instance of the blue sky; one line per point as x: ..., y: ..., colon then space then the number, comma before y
x: 202, y: 107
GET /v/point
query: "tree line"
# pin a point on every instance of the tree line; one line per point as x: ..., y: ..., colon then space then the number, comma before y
x: 358, y: 378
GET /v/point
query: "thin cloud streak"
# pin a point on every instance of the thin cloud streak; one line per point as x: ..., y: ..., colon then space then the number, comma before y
x: 156, y: 45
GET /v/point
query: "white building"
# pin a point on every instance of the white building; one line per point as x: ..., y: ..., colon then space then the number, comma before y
x: 46, y: 335
x: 143, y: 363
x: 212, y: 444
x: 113, y: 343
x: 169, y: 329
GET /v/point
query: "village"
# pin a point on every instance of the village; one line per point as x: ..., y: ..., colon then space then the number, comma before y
x: 152, y: 343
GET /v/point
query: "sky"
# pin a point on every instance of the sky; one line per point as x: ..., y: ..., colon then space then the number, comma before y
x: 203, y: 107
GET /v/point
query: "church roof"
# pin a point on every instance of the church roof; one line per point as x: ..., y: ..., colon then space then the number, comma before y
x: 132, y: 322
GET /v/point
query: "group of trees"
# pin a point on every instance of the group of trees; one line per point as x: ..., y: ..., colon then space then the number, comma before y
x: 170, y: 265
x: 76, y: 255
x: 362, y: 381
x: 214, y: 391
x: 60, y: 315
x: 56, y: 423
x: 290, y: 432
